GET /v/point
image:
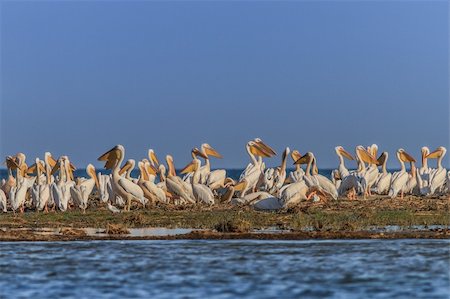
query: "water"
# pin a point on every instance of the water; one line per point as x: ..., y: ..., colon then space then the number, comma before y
x: 232, y: 173
x: 226, y: 269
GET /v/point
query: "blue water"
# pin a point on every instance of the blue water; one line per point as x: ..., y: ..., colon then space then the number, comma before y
x: 226, y: 269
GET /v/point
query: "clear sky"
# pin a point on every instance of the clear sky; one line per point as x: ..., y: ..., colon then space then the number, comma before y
x: 79, y: 77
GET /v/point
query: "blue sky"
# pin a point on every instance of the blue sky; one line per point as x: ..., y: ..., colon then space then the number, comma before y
x: 79, y: 77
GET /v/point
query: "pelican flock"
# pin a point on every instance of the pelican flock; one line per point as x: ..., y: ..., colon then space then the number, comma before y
x: 49, y: 184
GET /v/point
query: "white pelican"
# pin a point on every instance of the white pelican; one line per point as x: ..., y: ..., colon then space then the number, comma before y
x: 80, y: 192
x: 216, y: 178
x: 40, y: 192
x: 202, y: 193
x: 154, y: 162
x: 11, y: 181
x: 60, y: 189
x: 175, y: 185
x: 370, y: 175
x: 127, y: 168
x: 411, y: 185
x: 298, y: 173
x: 400, y: 178
x: 121, y: 186
x: 151, y: 191
x: 292, y: 194
x: 274, y: 178
x: 342, y: 153
x: 313, y: 178
x: 205, y: 170
x: 438, y: 175
x: 263, y: 148
x: 252, y: 174
x: 2, y: 201
x: 384, y: 178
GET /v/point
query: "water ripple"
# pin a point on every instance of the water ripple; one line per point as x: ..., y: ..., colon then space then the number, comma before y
x: 226, y: 269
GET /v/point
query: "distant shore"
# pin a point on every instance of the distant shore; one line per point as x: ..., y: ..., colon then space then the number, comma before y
x: 380, y: 218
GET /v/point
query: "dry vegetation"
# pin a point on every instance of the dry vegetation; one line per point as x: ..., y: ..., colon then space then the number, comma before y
x: 341, y: 215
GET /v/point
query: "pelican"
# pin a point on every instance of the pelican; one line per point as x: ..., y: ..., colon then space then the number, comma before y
x: 151, y: 191
x: 400, y: 178
x: 154, y: 162
x: 80, y: 192
x: 216, y: 178
x: 251, y: 175
x: 298, y: 173
x: 274, y: 178
x: 313, y: 178
x: 175, y: 185
x: 127, y: 168
x: 267, y: 150
x: 121, y: 186
x: 342, y: 153
x: 292, y: 194
x: 201, y: 193
x: 60, y: 189
x: 384, y: 179
x: 11, y: 181
x: 411, y: 184
x: 40, y: 192
x: 370, y: 175
x: 437, y: 176
x: 3, y: 201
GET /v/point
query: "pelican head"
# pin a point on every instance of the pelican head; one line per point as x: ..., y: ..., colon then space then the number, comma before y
x: 191, y: 167
x: 113, y: 156
x: 210, y: 151
x: 153, y: 158
x: 439, y: 152
x: 197, y: 153
x: 258, y: 150
x: 295, y: 155
x: 365, y: 155
x: 340, y: 151
x: 267, y: 148
x: 90, y: 170
x: 404, y: 156
x: 306, y: 158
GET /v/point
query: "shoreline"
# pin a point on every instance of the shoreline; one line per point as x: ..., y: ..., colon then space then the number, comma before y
x: 374, y: 218
x: 28, y: 235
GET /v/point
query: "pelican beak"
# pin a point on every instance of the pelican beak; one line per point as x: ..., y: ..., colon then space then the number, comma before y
x: 266, y: 148
x: 240, y: 186
x: 41, y: 167
x: 191, y: 167
x: 52, y: 162
x: 212, y: 152
x: 31, y: 169
x: 434, y: 155
x: 151, y: 169
x: 295, y: 155
x: 90, y: 169
x: 302, y: 160
x: 72, y: 167
x: 110, y: 157
x: 106, y: 155
x: 153, y: 157
x: 258, y: 150
x: 367, y: 157
x: 11, y: 163
x: 406, y: 157
x: 346, y: 154
x: 125, y: 168
x: 55, y: 169
x: 381, y: 159
x: 198, y: 153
